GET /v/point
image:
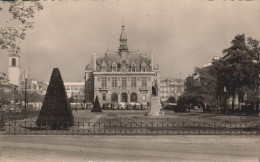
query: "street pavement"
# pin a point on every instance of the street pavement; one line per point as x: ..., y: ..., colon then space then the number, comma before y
x: 129, y: 148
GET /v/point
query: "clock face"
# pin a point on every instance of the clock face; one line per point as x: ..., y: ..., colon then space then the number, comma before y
x: 124, y: 68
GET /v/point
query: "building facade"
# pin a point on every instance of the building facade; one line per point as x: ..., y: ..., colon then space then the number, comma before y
x: 121, y: 76
x: 171, y: 87
x: 75, y: 90
x: 5, y: 86
x: 3, y: 79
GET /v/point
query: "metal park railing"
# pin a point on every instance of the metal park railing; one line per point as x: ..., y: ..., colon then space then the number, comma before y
x: 132, y: 126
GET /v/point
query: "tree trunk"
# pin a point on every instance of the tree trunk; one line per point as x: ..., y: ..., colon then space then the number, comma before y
x: 239, y: 107
x: 233, y: 102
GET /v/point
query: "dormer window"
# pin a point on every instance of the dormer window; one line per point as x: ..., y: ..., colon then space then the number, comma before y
x: 133, y: 68
x: 143, y: 67
x: 114, y: 68
x: 103, y: 67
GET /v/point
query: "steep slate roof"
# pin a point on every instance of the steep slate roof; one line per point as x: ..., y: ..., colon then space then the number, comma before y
x: 128, y: 59
x: 122, y: 58
x: 90, y: 66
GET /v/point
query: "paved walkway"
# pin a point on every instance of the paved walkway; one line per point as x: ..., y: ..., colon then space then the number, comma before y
x: 129, y: 148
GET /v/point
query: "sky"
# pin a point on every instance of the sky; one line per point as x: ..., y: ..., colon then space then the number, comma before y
x: 182, y: 34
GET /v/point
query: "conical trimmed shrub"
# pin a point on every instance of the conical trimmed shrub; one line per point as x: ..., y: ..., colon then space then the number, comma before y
x: 96, y: 107
x: 56, y: 112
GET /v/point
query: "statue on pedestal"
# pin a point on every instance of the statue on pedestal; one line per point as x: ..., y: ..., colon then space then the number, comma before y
x: 154, y: 88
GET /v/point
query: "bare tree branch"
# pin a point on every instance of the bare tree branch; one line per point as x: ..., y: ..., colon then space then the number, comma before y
x: 23, y: 11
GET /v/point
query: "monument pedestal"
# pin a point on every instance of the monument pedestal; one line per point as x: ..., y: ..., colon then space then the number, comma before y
x: 155, y: 106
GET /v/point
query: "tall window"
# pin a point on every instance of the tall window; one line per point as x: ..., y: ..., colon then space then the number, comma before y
x: 13, y: 62
x: 144, y: 97
x: 144, y: 84
x: 133, y: 82
x: 114, y: 97
x: 124, y: 82
x: 133, y: 68
x: 114, y: 82
x: 123, y: 97
x: 104, y: 82
x: 103, y: 67
x: 67, y: 87
x: 143, y: 67
x: 104, y: 97
x: 114, y: 67
x: 133, y: 97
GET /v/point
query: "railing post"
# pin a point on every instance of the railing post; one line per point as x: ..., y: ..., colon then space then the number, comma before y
x: 230, y: 126
x: 83, y: 126
x: 63, y: 126
x: 120, y: 126
x: 15, y: 126
x: 25, y: 125
x: 240, y: 121
x: 183, y: 126
x: 146, y: 126
x: 20, y: 125
x: 78, y: 126
x: 199, y: 126
x: 9, y: 123
x: 167, y: 126
x: 209, y: 125
x: 104, y: 120
x: 57, y: 126
x: 214, y: 120
x: 188, y: 125
x: 251, y: 129
x: 99, y: 126
x: 178, y: 125
x: 94, y: 125
x: 31, y: 126
x: 125, y: 127
x: 115, y: 125
x: 136, y: 126
x: 67, y: 126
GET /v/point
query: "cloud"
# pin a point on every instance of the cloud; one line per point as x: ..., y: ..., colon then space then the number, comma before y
x: 182, y: 34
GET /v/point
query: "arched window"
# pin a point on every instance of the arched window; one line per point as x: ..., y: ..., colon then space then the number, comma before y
x: 123, y: 97
x: 13, y: 62
x: 114, y: 97
x: 133, y: 97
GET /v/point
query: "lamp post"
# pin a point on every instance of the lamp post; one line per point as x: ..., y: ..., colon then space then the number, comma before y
x: 25, y: 89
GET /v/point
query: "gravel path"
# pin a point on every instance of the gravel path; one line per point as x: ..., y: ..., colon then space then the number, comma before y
x: 128, y: 148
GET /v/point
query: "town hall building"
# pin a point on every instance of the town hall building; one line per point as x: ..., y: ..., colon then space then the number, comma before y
x: 121, y: 76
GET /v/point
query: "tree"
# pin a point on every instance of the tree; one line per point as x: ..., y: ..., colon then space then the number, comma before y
x: 71, y: 99
x: 56, y: 111
x: 237, y: 71
x: 5, y: 97
x: 96, y: 107
x: 23, y: 12
x: 240, y: 69
x: 171, y: 99
x: 35, y: 97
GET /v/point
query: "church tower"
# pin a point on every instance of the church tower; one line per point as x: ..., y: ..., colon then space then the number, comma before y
x: 14, y: 69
